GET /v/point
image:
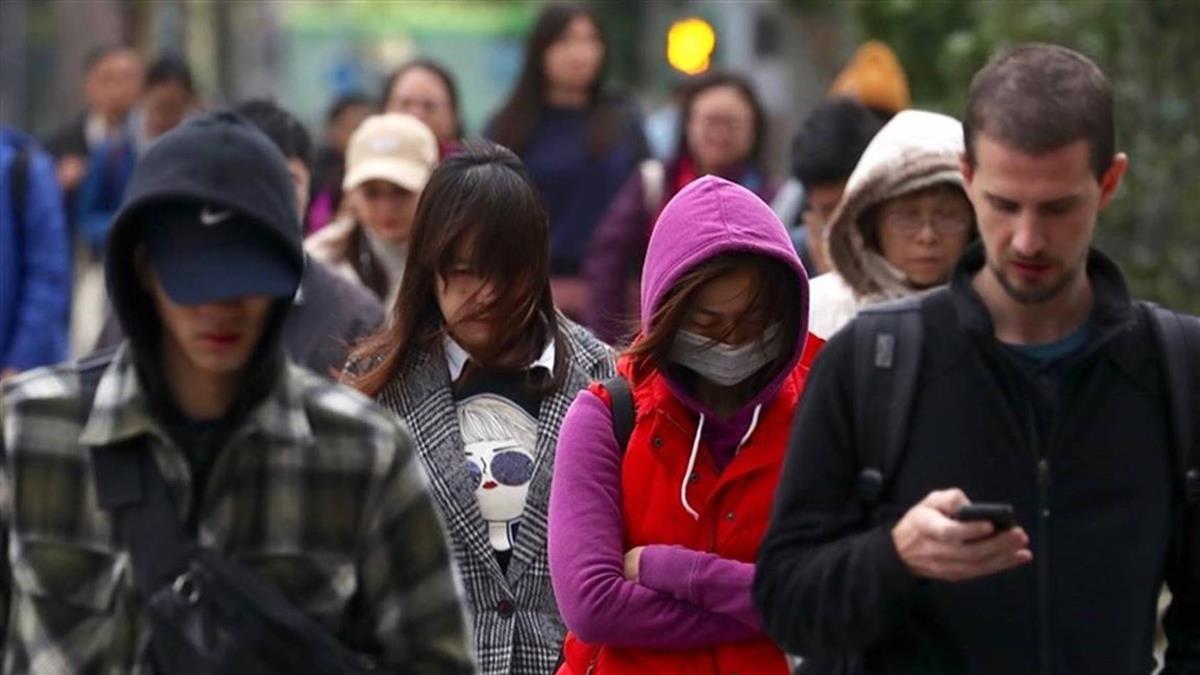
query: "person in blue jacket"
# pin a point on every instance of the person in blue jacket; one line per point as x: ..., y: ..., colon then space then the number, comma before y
x: 35, y: 264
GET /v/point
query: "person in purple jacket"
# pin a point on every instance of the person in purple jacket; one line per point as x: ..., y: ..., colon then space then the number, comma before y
x: 579, y: 140
x: 723, y: 133
x: 653, y: 538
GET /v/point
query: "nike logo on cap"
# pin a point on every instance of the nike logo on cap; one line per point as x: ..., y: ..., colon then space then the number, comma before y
x: 210, y: 217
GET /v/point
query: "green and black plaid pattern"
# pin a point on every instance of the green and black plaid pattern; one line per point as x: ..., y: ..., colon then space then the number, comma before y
x: 319, y: 492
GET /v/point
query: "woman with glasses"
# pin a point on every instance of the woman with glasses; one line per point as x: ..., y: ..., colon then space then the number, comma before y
x: 902, y: 222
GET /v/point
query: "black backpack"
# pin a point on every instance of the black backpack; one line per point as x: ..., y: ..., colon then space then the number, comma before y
x: 888, y: 342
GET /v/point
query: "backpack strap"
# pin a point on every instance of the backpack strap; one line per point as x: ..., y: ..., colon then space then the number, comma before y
x: 1179, y: 344
x: 888, y: 341
x: 623, y: 411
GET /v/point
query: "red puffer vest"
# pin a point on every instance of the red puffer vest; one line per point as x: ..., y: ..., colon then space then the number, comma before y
x: 733, y: 505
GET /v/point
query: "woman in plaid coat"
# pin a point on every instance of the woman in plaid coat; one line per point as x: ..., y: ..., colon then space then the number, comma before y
x: 481, y: 368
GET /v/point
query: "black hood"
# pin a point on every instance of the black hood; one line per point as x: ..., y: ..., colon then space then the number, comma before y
x: 217, y: 159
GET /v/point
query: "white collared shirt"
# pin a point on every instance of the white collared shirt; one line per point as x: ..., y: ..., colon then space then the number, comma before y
x: 457, y: 357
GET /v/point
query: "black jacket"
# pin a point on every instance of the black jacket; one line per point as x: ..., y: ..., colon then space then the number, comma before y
x: 330, y: 315
x: 1085, y: 460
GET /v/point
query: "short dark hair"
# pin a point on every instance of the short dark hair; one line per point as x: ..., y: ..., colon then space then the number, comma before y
x: 282, y: 127
x: 97, y: 54
x: 437, y: 70
x: 170, y: 67
x: 1041, y: 97
x: 344, y: 102
x: 832, y: 140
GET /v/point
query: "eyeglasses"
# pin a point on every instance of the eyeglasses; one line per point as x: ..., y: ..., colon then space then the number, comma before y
x: 910, y: 224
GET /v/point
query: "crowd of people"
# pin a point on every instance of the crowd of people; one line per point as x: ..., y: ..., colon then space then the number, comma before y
x: 544, y: 403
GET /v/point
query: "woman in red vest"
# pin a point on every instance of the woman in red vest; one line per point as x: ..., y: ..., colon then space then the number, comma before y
x: 652, y: 545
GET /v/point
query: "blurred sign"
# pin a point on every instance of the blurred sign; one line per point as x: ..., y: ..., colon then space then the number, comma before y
x: 690, y: 45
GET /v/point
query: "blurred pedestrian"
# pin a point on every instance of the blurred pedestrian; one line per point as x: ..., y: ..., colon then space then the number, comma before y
x: 35, y: 258
x: 1038, y: 392
x: 481, y: 369
x: 200, y: 482
x: 724, y: 133
x: 112, y: 83
x: 580, y: 141
x: 902, y: 222
x: 388, y: 162
x: 426, y: 90
x: 329, y: 171
x: 824, y: 155
x: 168, y: 99
x: 661, y: 494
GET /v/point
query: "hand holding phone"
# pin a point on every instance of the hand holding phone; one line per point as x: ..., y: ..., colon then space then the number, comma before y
x: 1000, y: 515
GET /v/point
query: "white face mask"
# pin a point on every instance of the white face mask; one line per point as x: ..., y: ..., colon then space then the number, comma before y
x: 724, y: 364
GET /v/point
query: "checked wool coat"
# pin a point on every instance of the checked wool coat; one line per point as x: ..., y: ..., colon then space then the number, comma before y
x: 517, y: 626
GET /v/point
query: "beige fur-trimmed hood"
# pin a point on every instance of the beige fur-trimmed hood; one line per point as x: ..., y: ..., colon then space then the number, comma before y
x: 915, y: 150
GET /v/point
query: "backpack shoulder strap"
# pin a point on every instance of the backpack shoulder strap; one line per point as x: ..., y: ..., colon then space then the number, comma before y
x: 623, y: 411
x: 887, y: 359
x: 1178, y: 338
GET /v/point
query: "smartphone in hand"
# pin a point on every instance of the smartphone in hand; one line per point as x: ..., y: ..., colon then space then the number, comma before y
x: 1000, y: 515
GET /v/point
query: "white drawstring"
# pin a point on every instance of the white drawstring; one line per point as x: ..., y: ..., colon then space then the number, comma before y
x: 691, y: 466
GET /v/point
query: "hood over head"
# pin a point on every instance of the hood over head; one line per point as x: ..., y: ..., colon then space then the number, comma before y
x: 221, y: 172
x: 913, y: 151
x: 709, y: 218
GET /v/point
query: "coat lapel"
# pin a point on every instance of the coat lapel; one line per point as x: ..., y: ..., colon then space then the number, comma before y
x: 427, y: 406
x: 531, y: 538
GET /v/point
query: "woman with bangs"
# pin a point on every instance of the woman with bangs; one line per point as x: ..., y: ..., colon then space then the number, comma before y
x: 481, y: 368
x: 654, y: 534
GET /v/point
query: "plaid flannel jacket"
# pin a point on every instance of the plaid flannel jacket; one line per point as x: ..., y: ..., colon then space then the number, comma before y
x: 516, y: 622
x: 319, y: 491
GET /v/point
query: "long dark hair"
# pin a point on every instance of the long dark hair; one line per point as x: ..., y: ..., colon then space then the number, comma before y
x: 514, y: 124
x: 440, y: 72
x: 696, y: 86
x: 482, y: 197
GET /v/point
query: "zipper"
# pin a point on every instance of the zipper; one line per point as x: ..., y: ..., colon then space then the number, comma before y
x: 1043, y: 564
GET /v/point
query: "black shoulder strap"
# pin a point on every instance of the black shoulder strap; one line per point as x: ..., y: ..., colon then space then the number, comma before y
x: 1179, y: 344
x: 623, y: 411
x: 887, y: 356
x: 130, y: 486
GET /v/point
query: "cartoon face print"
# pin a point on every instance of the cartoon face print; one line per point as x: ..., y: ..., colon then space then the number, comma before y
x: 502, y: 470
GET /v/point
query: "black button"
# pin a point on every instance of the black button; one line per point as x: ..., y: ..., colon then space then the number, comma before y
x: 658, y: 441
x: 505, y: 608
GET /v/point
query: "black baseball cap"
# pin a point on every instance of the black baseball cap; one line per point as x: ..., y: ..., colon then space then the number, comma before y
x: 203, y: 253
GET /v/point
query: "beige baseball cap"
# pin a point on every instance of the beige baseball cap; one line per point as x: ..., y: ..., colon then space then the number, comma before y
x: 396, y: 148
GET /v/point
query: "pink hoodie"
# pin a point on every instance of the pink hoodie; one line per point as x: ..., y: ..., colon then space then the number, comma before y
x: 683, y: 599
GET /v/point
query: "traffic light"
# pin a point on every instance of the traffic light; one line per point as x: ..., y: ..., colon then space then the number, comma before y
x: 690, y: 45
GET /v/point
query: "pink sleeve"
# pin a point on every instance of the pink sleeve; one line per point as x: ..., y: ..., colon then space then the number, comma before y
x: 587, y: 550
x: 705, y: 580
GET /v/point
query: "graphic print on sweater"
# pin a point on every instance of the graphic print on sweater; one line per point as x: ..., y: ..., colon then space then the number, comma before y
x: 499, y: 437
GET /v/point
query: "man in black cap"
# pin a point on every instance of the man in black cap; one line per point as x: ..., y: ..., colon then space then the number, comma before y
x: 330, y: 313
x: 301, y: 482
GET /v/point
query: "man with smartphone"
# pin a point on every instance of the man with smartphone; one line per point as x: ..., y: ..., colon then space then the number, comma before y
x: 1026, y: 520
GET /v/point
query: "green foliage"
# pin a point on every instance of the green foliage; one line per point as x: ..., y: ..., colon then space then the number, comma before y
x: 1147, y: 50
